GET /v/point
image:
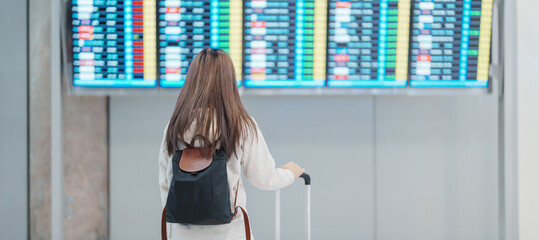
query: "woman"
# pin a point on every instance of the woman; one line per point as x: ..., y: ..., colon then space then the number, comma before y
x: 209, y: 107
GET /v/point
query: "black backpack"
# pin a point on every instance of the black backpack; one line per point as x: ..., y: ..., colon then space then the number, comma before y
x: 199, y: 192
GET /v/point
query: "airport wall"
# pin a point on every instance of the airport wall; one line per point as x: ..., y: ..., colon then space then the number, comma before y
x: 527, y: 35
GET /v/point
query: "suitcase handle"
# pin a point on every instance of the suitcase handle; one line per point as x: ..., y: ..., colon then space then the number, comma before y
x: 307, y: 178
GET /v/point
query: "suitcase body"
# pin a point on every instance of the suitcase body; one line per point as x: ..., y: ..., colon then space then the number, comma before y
x: 307, y: 179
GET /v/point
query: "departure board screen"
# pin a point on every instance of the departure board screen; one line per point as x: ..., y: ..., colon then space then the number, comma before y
x: 451, y: 43
x: 113, y: 43
x: 284, y: 43
x: 187, y: 27
x: 368, y: 43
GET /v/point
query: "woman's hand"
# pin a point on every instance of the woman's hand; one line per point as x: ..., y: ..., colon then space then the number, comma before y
x: 296, y: 169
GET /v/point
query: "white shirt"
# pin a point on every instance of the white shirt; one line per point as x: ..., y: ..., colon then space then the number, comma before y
x: 259, y: 169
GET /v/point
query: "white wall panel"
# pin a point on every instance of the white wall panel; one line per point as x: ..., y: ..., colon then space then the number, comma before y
x: 136, y: 130
x: 437, y: 168
x: 528, y: 117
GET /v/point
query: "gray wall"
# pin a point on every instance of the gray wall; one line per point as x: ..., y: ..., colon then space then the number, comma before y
x: 136, y: 126
x: 437, y: 168
x: 13, y: 120
x: 386, y: 167
x: 527, y: 117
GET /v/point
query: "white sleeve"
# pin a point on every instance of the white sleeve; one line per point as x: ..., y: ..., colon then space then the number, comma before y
x: 259, y: 166
x: 164, y: 162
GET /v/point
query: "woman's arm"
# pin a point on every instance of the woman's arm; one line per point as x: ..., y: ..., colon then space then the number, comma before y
x: 259, y: 166
x: 164, y: 162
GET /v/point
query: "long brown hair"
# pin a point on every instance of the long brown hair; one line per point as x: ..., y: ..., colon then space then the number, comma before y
x: 209, y: 100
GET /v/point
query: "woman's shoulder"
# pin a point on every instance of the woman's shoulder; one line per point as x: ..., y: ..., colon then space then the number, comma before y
x: 251, y: 128
x: 251, y: 133
x: 254, y: 121
x: 166, y: 128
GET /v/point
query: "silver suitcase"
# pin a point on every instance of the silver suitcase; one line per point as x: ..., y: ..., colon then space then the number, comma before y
x: 307, y: 179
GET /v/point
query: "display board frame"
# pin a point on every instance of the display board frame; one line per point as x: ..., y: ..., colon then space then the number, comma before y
x: 71, y: 89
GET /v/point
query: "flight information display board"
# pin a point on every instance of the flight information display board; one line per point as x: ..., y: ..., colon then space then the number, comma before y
x: 279, y: 43
x: 113, y: 43
x: 284, y: 43
x: 368, y: 43
x: 187, y: 27
x: 451, y: 43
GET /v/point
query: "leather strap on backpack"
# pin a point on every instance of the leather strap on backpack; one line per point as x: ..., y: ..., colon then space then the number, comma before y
x: 246, y: 223
x: 164, y: 225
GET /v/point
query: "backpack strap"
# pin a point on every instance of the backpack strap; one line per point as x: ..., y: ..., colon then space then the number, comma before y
x: 164, y: 225
x: 246, y: 223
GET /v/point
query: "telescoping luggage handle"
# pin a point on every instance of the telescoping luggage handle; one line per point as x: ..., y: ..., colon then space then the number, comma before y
x: 307, y: 180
